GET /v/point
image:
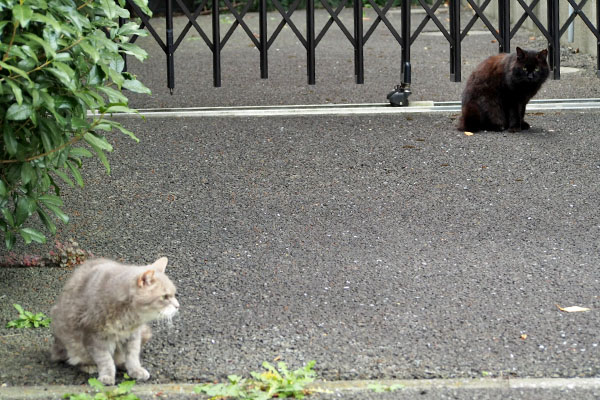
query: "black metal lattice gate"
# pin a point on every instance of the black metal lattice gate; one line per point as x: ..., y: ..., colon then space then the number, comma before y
x: 503, y: 33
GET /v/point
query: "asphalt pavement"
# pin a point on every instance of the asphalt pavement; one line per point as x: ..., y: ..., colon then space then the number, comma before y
x: 384, y: 247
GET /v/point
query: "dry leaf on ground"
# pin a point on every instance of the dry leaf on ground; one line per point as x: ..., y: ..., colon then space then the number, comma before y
x: 573, y: 309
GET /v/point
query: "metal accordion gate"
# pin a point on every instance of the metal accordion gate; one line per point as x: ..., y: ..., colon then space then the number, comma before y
x: 503, y: 33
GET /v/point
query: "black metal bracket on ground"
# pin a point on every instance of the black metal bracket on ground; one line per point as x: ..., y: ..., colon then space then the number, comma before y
x: 399, y: 97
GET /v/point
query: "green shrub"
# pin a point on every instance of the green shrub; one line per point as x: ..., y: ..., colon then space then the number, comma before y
x: 61, y: 75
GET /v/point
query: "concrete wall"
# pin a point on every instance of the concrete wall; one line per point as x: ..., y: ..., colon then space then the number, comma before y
x: 584, y: 38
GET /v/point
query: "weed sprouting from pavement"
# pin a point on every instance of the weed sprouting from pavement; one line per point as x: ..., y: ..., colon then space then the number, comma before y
x: 27, y: 319
x: 273, y: 382
x: 121, y: 392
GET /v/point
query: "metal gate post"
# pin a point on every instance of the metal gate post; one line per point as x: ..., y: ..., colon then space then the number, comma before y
x: 455, y: 55
x: 359, y: 65
x: 598, y: 39
x: 263, y: 40
x: 216, y: 33
x: 504, y: 25
x: 170, y: 50
x: 399, y: 97
x: 405, y: 22
x: 310, y: 40
x: 554, y: 45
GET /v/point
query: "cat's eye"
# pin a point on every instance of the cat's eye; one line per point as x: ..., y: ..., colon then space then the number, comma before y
x: 166, y: 297
x: 537, y: 69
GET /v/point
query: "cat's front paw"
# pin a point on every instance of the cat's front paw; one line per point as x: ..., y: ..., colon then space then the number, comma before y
x: 107, y: 380
x: 139, y: 374
x: 524, y: 125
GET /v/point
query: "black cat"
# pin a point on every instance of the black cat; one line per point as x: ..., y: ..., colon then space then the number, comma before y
x: 499, y: 89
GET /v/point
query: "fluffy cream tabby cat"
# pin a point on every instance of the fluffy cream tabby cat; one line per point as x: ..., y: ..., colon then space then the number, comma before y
x: 100, y: 317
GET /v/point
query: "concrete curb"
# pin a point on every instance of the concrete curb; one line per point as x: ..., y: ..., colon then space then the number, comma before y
x: 184, y: 390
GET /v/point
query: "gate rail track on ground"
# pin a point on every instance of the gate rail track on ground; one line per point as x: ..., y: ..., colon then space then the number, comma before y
x: 349, y: 109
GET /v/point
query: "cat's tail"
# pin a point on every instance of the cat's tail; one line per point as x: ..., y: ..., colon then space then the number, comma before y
x: 58, y: 352
x: 469, y: 119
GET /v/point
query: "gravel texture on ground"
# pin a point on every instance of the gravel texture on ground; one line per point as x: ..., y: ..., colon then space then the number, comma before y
x: 382, y: 247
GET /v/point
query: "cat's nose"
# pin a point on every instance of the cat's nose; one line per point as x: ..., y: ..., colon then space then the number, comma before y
x: 175, y: 303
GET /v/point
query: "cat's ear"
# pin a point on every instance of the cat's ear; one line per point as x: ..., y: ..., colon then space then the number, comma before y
x: 146, y: 279
x: 520, y: 53
x: 543, y: 54
x: 161, y: 264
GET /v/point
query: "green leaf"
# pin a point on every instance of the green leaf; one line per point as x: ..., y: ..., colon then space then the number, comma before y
x: 9, y: 239
x: 63, y: 77
x: 30, y: 234
x: 124, y: 130
x: 143, y: 5
x: 47, y: 19
x: 96, y: 384
x: 96, y: 141
x: 102, y: 158
x: 8, y: 216
x: 117, y: 108
x: 75, y: 172
x: 90, y: 50
x: 22, y: 14
x: 31, y: 53
x: 116, y: 77
x: 38, y: 237
x: 58, y: 212
x: 14, y: 69
x: 126, y: 386
x: 16, y: 91
x: 95, y: 77
x: 50, y: 53
x: 134, y: 50
x: 79, y: 152
x: 136, y: 86
x: 50, y: 199
x: 78, y: 19
x: 131, y: 28
x: 27, y: 173
x: 64, y: 177
x: 47, y: 221
x: 25, y: 207
x: 10, y: 140
x: 45, y: 138
x: 108, y: 7
x: 3, y: 189
x: 114, y: 96
x: 18, y: 112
